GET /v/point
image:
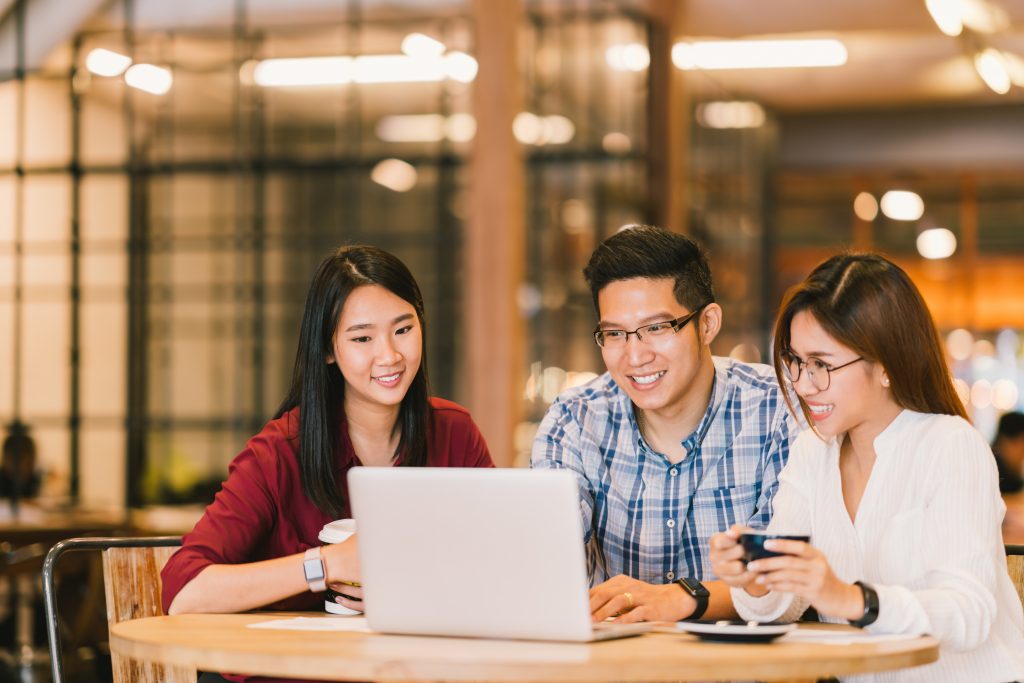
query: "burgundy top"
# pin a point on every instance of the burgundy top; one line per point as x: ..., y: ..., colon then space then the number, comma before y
x: 261, y: 512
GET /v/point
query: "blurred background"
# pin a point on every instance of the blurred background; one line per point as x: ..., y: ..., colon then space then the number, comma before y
x: 170, y: 174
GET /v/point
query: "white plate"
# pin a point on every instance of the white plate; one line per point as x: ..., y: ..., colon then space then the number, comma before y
x: 735, y: 632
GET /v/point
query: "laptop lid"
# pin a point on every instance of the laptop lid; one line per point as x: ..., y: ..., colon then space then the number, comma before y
x: 494, y: 553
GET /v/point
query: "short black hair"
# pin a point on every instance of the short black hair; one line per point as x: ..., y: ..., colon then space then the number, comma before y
x: 1011, y: 425
x: 650, y: 252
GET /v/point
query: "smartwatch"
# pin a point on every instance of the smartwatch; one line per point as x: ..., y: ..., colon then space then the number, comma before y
x: 870, y: 605
x: 315, y: 571
x: 696, y: 590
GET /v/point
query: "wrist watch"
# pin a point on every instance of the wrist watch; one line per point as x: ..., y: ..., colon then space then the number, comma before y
x: 696, y: 590
x: 870, y: 605
x: 315, y: 571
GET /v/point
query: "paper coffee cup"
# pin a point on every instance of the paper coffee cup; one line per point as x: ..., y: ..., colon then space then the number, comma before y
x: 335, y: 532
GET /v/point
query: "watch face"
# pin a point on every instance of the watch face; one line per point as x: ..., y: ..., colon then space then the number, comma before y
x: 314, y: 570
x: 694, y: 587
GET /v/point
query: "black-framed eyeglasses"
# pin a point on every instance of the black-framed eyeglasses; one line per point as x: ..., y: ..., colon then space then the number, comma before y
x: 818, y: 371
x: 611, y: 339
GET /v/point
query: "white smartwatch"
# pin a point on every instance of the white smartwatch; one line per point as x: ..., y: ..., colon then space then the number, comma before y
x: 315, y: 571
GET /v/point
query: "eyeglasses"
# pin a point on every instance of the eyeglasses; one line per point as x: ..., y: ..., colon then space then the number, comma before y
x: 818, y: 371
x: 613, y: 339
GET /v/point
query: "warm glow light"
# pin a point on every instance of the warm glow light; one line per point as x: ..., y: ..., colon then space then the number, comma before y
x: 993, y: 69
x: 865, y: 206
x: 460, y: 127
x: 948, y: 15
x: 419, y: 45
x: 616, y: 142
x: 461, y: 67
x: 960, y: 343
x: 107, y: 62
x: 902, y: 205
x: 984, y: 16
x: 152, y: 79
x: 628, y: 57
x: 1005, y: 394
x: 531, y: 129
x: 394, y: 174
x: 368, y: 69
x: 1015, y: 65
x: 758, y: 54
x: 936, y: 243
x: 730, y: 115
x: 304, y: 71
x: 426, y: 128
x: 962, y: 390
x: 981, y: 394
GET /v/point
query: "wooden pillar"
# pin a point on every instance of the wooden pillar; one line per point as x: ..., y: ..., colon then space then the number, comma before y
x: 668, y: 119
x: 495, y: 240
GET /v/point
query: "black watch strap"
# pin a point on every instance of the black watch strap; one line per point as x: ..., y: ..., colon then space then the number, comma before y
x: 696, y: 590
x: 870, y: 605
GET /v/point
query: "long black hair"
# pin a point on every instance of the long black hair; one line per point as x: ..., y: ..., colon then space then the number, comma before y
x: 318, y: 388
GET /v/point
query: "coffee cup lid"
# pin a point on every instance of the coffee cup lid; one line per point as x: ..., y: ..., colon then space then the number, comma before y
x: 337, y: 531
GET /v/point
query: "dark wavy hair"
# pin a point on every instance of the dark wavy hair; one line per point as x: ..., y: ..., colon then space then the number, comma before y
x: 318, y: 388
x: 646, y: 251
x: 868, y: 303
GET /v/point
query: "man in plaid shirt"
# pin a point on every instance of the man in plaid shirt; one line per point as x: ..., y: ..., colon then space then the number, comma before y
x: 671, y: 445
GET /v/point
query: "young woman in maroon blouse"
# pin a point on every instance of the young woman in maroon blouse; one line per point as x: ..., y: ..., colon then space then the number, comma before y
x: 359, y: 397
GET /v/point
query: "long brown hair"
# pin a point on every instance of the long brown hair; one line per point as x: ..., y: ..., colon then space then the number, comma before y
x: 868, y: 303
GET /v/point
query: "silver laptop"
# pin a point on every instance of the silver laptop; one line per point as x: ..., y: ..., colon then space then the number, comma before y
x: 488, y: 553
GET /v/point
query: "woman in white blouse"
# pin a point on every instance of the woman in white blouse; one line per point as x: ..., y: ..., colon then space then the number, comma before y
x: 898, y: 492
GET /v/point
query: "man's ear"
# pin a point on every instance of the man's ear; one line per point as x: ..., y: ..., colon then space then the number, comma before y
x: 709, y: 323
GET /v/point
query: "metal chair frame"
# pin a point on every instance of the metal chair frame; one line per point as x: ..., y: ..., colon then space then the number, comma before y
x: 49, y: 589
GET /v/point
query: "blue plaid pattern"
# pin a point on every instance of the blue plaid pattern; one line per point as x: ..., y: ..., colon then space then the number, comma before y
x: 650, y: 519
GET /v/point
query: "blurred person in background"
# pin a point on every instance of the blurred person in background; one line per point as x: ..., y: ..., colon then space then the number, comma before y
x: 1008, y: 448
x: 359, y: 397
x: 897, y: 490
x: 19, y: 477
x: 671, y: 445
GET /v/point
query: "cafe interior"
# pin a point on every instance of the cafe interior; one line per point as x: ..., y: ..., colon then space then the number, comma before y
x: 171, y: 174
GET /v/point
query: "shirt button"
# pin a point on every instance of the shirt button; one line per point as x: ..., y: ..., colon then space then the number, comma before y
x: 671, y: 523
x: 674, y: 471
x: 670, y: 576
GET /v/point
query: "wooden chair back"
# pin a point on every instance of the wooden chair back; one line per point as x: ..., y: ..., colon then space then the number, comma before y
x: 1015, y: 565
x: 131, y: 577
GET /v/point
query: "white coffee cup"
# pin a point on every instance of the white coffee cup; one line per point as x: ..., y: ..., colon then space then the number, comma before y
x: 336, y: 532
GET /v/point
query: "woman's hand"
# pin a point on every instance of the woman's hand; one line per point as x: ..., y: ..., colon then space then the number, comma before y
x: 727, y: 561
x: 804, y: 571
x: 342, y: 563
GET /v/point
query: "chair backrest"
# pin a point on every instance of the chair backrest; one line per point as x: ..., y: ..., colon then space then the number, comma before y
x: 1015, y: 565
x: 131, y: 577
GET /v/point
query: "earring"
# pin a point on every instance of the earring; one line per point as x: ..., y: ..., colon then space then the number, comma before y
x: 885, y: 381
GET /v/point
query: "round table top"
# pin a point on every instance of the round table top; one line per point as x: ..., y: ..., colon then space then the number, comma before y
x: 221, y: 642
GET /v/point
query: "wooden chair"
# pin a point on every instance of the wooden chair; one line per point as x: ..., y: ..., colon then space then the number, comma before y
x: 1015, y: 564
x: 131, y: 577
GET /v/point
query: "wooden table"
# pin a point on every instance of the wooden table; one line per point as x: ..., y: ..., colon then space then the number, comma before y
x: 221, y: 642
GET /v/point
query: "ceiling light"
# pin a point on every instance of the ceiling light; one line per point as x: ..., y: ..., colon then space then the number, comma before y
x: 960, y: 343
x: 1015, y: 65
x: 993, y: 69
x: 936, y: 243
x: 304, y: 71
x: 628, y: 57
x: 152, y: 79
x: 616, y: 142
x: 983, y: 16
x: 865, y: 206
x: 527, y: 128
x: 395, y: 174
x: 367, y: 69
x: 419, y: 45
x: 460, y: 67
x: 730, y: 115
x: 902, y: 205
x: 107, y: 62
x: 411, y: 128
x: 460, y: 127
x: 948, y: 15
x: 758, y: 54
x: 558, y: 130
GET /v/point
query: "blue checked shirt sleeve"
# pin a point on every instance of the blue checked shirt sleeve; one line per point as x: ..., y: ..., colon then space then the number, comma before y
x: 775, y: 456
x: 558, y: 445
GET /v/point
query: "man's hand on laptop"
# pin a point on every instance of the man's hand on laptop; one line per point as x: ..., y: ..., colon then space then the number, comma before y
x: 630, y: 600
